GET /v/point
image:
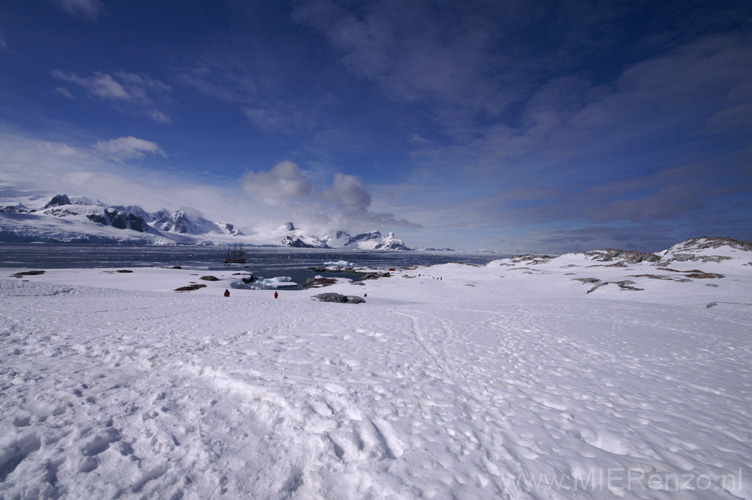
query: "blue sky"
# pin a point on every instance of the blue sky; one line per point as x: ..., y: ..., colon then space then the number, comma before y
x: 506, y: 125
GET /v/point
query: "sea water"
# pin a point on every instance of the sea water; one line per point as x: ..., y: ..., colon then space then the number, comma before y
x: 262, y: 262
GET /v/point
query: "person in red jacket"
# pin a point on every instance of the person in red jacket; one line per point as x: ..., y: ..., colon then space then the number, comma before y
x: 276, y: 295
x: 227, y: 292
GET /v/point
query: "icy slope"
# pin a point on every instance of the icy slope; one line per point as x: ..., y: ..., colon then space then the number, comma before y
x: 449, y: 382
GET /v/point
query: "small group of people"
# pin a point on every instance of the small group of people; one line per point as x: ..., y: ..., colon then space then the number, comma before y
x: 227, y: 294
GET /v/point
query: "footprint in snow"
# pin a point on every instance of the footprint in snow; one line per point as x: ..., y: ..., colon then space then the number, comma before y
x: 12, y: 456
x: 100, y: 442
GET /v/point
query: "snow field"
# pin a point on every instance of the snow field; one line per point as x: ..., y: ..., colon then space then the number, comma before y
x: 490, y: 382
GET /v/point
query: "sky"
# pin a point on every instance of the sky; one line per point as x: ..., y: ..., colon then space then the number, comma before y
x: 513, y: 126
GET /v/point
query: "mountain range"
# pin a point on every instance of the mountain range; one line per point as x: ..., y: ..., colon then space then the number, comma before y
x: 371, y: 240
x: 78, y: 219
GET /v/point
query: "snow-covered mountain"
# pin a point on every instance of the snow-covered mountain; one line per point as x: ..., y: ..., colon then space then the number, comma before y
x: 84, y: 220
x: 79, y: 219
x: 291, y: 236
x: 180, y: 222
x: 338, y: 239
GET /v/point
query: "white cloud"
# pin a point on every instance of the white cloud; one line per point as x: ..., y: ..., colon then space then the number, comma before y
x: 573, y: 133
x: 260, y: 84
x: 348, y: 193
x: 88, y: 10
x: 418, y: 53
x: 99, y: 84
x: 221, y: 76
x: 128, y: 148
x: 62, y: 91
x: 158, y: 116
x: 286, y: 193
x: 269, y: 118
x: 284, y: 183
x: 128, y: 92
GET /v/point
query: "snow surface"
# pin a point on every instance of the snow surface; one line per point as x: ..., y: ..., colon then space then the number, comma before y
x: 451, y: 381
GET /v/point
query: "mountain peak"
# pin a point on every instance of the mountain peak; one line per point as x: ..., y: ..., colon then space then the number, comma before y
x: 58, y: 200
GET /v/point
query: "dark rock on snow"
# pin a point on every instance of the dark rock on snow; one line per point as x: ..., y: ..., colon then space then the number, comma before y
x: 58, y: 200
x: 318, y: 282
x: 338, y: 298
x: 623, y: 285
x: 628, y: 256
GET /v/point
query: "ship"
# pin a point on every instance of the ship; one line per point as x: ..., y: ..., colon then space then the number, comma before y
x: 235, y: 255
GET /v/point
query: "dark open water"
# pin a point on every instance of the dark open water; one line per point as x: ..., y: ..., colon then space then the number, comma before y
x: 263, y: 262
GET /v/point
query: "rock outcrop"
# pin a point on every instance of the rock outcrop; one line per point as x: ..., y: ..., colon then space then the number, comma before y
x: 627, y: 256
x: 339, y: 298
x: 58, y: 201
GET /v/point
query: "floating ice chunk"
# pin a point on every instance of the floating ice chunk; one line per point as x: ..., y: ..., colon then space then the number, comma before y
x: 339, y: 263
x: 278, y: 282
x: 239, y: 285
x: 277, y: 279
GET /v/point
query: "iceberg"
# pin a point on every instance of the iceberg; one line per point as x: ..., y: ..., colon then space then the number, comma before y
x: 339, y: 263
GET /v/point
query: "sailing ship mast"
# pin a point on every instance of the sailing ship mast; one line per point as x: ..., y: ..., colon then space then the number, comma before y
x: 236, y: 255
